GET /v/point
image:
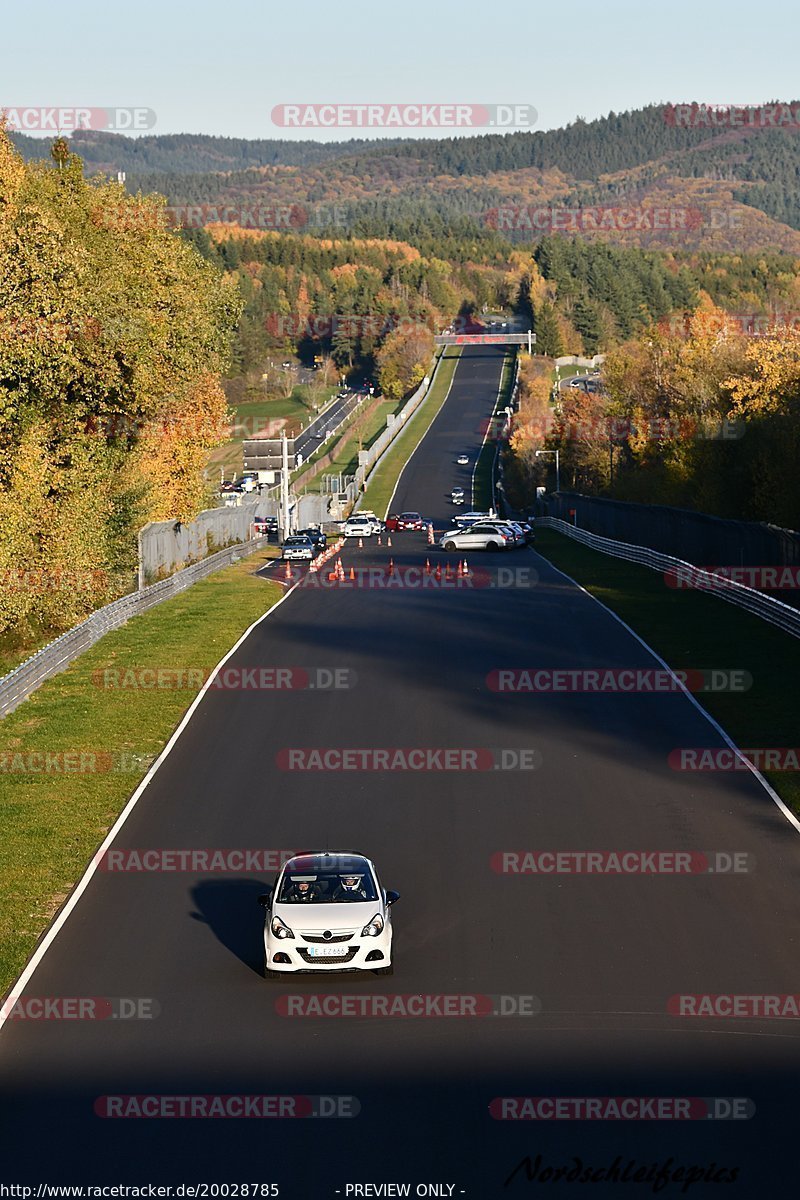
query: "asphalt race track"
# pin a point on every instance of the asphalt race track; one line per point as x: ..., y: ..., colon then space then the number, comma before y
x: 602, y: 955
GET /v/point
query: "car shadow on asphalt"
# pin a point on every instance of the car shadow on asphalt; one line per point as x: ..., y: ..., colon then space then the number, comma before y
x: 230, y: 909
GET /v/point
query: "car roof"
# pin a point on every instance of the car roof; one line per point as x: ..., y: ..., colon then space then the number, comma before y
x: 346, y: 861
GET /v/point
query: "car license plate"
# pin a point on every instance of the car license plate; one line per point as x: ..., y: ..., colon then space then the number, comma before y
x: 326, y: 951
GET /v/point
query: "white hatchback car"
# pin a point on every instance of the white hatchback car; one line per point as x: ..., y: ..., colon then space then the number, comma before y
x: 358, y: 527
x: 327, y: 912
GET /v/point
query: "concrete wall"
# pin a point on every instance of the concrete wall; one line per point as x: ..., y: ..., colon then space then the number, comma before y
x: 167, y: 546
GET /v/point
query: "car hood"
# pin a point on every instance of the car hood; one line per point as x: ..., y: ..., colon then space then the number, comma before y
x: 320, y: 917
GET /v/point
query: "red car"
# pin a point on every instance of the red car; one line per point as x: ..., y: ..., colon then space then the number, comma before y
x: 391, y: 523
x: 409, y: 520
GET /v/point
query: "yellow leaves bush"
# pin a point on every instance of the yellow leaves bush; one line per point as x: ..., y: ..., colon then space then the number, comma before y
x: 113, y: 332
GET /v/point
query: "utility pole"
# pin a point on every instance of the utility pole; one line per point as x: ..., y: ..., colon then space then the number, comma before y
x: 284, y: 484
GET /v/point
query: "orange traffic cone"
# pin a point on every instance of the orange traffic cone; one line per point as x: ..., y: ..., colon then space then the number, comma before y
x: 332, y: 576
x: 430, y: 535
x: 352, y: 573
x: 459, y: 570
x: 448, y: 573
x: 361, y: 543
x: 427, y: 566
x: 438, y: 572
x: 379, y: 539
x: 312, y: 567
x: 391, y: 566
x: 466, y: 570
x: 389, y: 540
x: 287, y: 574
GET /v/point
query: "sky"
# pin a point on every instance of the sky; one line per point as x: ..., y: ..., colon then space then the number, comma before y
x: 221, y: 68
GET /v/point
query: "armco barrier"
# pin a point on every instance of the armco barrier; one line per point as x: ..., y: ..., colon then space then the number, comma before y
x: 783, y: 616
x: 24, y: 679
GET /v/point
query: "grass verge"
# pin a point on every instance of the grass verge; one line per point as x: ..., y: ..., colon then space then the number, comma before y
x: 482, y: 485
x: 383, y: 480
x: 54, y: 813
x: 695, y: 630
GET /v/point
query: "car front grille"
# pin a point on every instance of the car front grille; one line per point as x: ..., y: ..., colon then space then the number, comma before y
x: 326, y: 941
x: 344, y: 957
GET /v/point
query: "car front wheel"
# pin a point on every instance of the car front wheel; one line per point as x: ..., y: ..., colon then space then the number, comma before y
x: 492, y: 546
x: 450, y: 546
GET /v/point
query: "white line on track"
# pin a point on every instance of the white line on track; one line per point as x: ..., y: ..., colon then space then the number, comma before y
x: 773, y: 795
x: 75, y: 895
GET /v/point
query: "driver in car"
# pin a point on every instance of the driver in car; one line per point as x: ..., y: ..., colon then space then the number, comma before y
x: 350, y: 887
x: 302, y: 891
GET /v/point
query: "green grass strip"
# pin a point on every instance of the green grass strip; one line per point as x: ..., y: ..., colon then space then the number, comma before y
x: 52, y: 819
x: 383, y: 480
x: 691, y: 629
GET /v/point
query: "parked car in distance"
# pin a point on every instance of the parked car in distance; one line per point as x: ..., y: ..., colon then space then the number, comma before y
x: 357, y: 527
x: 463, y: 460
x: 464, y: 520
x: 478, y: 537
x: 230, y: 486
x: 314, y: 535
x: 410, y: 520
x: 299, y: 548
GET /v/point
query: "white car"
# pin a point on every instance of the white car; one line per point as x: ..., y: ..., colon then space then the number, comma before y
x: 358, y: 527
x: 464, y: 520
x: 327, y: 912
x: 377, y: 523
x: 463, y: 460
x: 481, y: 536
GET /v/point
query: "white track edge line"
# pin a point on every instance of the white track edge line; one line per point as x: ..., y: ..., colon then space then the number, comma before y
x: 422, y: 439
x: 773, y: 795
x: 80, y: 887
x: 483, y: 443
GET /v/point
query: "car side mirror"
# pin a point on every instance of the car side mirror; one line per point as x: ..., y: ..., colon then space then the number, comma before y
x: 392, y: 897
x: 264, y: 898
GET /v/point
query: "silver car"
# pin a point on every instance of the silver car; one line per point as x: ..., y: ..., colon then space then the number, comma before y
x: 298, y: 548
x: 483, y: 536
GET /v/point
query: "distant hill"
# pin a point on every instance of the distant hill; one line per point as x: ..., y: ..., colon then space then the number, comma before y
x: 735, y: 189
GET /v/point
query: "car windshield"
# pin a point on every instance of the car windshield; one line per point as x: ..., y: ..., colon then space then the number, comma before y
x: 297, y: 541
x: 410, y: 517
x: 326, y: 887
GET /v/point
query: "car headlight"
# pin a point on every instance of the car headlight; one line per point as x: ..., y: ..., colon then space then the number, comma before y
x: 374, y: 928
x: 279, y: 930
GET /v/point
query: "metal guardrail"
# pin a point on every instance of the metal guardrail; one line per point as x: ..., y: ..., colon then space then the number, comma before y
x: 782, y: 616
x: 57, y: 656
